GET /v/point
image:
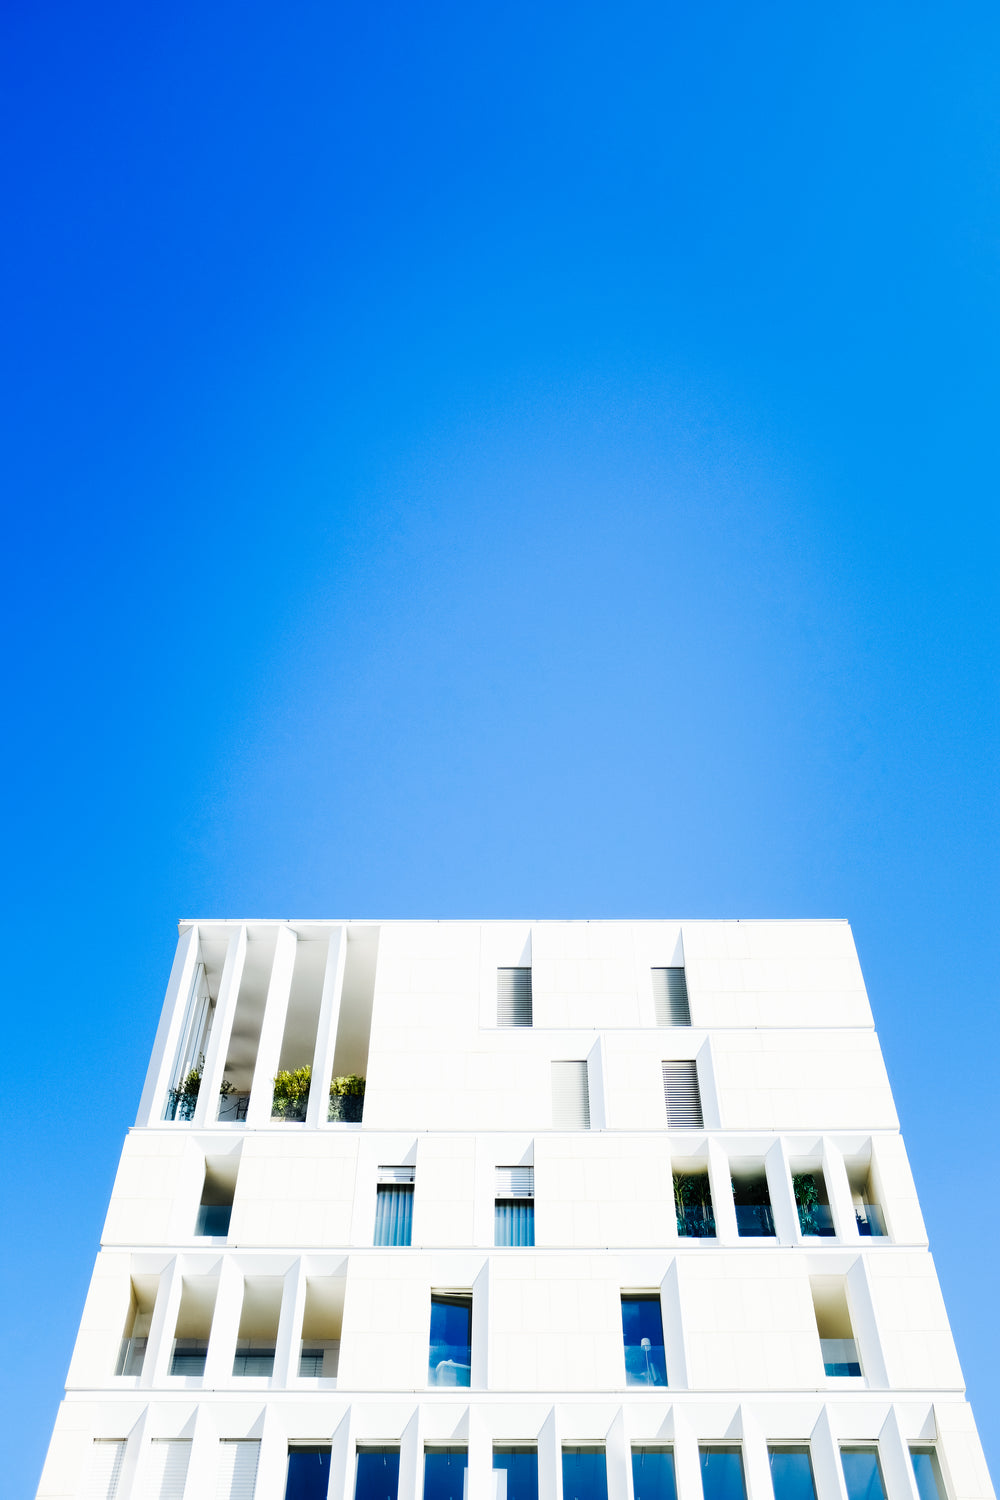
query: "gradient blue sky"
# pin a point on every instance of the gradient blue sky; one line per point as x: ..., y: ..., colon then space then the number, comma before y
x: 483, y: 461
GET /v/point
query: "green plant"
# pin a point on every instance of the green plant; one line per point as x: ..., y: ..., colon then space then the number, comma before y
x: 291, y: 1090
x: 353, y: 1086
x: 806, y: 1191
x: 690, y: 1191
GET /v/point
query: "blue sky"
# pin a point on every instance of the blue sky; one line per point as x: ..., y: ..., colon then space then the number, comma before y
x: 471, y: 461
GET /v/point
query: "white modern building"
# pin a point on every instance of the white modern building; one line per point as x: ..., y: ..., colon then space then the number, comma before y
x: 622, y: 1213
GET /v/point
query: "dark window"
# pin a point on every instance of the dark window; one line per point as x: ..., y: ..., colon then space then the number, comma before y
x: 642, y: 1331
x: 308, y: 1474
x: 722, y: 1474
x: 520, y: 1469
x: 450, y: 1360
x: 927, y: 1473
x: 393, y: 1215
x: 378, y: 1474
x: 862, y: 1474
x: 584, y: 1474
x: 444, y: 1473
x: 189, y: 1357
x: 791, y: 1474
x: 653, y: 1474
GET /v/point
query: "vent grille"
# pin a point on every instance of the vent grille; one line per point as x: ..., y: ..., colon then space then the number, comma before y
x: 670, y: 996
x: 515, y: 1182
x: 105, y: 1470
x: 513, y: 997
x: 237, y: 1471
x: 166, y: 1470
x: 570, y: 1096
x: 680, y: 1088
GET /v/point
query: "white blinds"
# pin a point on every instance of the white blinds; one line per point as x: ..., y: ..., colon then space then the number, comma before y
x: 166, y: 1470
x: 105, y: 1469
x: 515, y: 1182
x: 680, y: 1088
x: 670, y: 997
x: 398, y: 1176
x: 513, y: 997
x: 570, y: 1096
x: 237, y: 1471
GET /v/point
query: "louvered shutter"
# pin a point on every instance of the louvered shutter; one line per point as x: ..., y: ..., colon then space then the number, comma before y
x: 670, y: 996
x: 166, y: 1470
x: 106, y: 1461
x: 237, y: 1471
x: 680, y: 1087
x: 570, y: 1096
x: 515, y: 1182
x: 513, y: 997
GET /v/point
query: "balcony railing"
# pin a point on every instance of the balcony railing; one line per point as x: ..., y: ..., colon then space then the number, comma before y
x: 319, y: 1359
x: 816, y: 1219
x: 449, y: 1364
x: 131, y: 1356
x: 213, y: 1219
x: 180, y: 1106
x: 290, y: 1109
x: 697, y: 1223
x: 754, y: 1220
x: 645, y: 1364
x: 253, y: 1359
x: 233, y: 1108
x: 188, y: 1357
x: 870, y: 1221
x: 840, y: 1357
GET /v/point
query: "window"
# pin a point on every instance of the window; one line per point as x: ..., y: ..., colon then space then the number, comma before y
x: 722, y: 1474
x: 194, y: 1323
x: 642, y: 1330
x: 378, y: 1474
x: 444, y: 1473
x: 680, y: 1089
x: 450, y: 1361
x: 791, y: 1474
x: 754, y: 1218
x: 653, y: 1474
x: 513, y: 997
x: 308, y: 1474
x: 106, y: 1459
x: 236, y: 1475
x: 862, y: 1474
x: 517, y: 1470
x: 812, y: 1204
x: 394, y: 1206
x: 584, y: 1474
x: 927, y: 1473
x: 833, y: 1323
x: 693, y: 1206
x: 132, y: 1350
x: 670, y: 997
x: 166, y: 1470
x: 188, y: 1357
x: 218, y: 1191
x: 514, y: 1222
x: 570, y: 1096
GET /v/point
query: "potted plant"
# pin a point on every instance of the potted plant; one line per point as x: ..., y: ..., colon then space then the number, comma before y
x: 291, y: 1093
x: 184, y: 1097
x: 693, y: 1205
x: 806, y: 1201
x: 347, y: 1097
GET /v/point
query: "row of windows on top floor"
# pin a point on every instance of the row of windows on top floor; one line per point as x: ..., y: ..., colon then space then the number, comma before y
x: 670, y: 997
x: 582, y: 1471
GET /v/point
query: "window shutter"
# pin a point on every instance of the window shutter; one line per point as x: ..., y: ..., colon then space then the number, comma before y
x: 670, y: 996
x: 166, y: 1470
x: 396, y: 1176
x: 570, y: 1096
x: 105, y: 1470
x: 513, y: 997
x: 237, y: 1471
x: 515, y: 1182
x: 680, y: 1087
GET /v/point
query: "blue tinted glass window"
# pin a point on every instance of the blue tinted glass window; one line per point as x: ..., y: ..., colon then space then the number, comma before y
x: 514, y: 1221
x: 393, y: 1215
x: 378, y: 1474
x: 450, y: 1357
x: 584, y: 1473
x: 520, y: 1466
x: 444, y: 1473
x: 862, y: 1474
x: 642, y: 1330
x: 927, y: 1474
x: 308, y: 1474
x: 653, y: 1474
x: 722, y: 1474
x: 791, y: 1474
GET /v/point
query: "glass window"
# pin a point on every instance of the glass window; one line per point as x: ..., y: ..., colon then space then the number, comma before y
x: 927, y: 1473
x: 653, y: 1474
x: 519, y: 1467
x: 393, y: 1215
x: 450, y: 1359
x: 791, y: 1474
x: 584, y: 1474
x: 308, y: 1474
x: 642, y: 1330
x: 722, y: 1474
x: 515, y: 1221
x: 378, y: 1474
x: 862, y: 1474
x: 444, y: 1473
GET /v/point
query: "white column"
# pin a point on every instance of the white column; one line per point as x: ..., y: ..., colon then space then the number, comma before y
x: 616, y: 1457
x: 168, y: 1032
x: 272, y: 1460
x: 134, y: 1447
x: 326, y: 1032
x: 897, y: 1466
x: 272, y: 1029
x: 160, y: 1339
x: 721, y: 1183
x: 756, y: 1468
x: 687, y: 1463
x: 779, y: 1188
x: 838, y: 1190
x: 827, y: 1471
x: 411, y: 1476
x: 861, y: 1304
x: 293, y: 1301
x: 204, y: 1458
x: 225, y: 1326
x: 674, y: 1346
x: 206, y: 1111
x: 550, y: 1457
x: 479, y: 1485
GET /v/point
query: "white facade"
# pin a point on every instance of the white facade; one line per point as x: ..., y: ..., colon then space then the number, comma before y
x: 240, y: 1309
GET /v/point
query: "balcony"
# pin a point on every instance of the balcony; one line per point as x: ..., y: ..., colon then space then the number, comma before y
x: 754, y: 1220
x: 347, y: 1107
x: 696, y: 1223
x: 180, y: 1105
x: 213, y: 1220
x: 870, y: 1221
x: 319, y: 1359
x: 233, y: 1108
x: 131, y: 1356
x: 645, y: 1364
x: 449, y: 1364
x: 840, y: 1357
x: 816, y: 1219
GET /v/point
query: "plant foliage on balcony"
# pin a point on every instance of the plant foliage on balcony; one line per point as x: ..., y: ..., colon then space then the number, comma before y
x: 291, y: 1090
x: 353, y: 1086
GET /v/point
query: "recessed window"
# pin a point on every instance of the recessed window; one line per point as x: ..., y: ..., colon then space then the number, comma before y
x: 670, y: 997
x: 642, y: 1331
x: 570, y: 1096
x: 927, y: 1473
x: 378, y: 1474
x: 722, y: 1474
x: 194, y: 1324
x: 833, y: 1323
x: 450, y: 1359
x: 653, y: 1474
x: 394, y: 1206
x: 693, y: 1206
x: 584, y: 1474
x: 517, y: 1473
x: 308, y: 1473
x: 514, y: 1207
x: 444, y: 1473
x: 217, y: 1194
x: 862, y: 1474
x: 791, y: 1474
x: 812, y: 1204
x: 754, y: 1216
x: 165, y: 1469
x: 237, y: 1471
x: 106, y: 1459
x: 513, y: 997
x: 682, y: 1095
x: 132, y: 1350
x: 258, y: 1331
